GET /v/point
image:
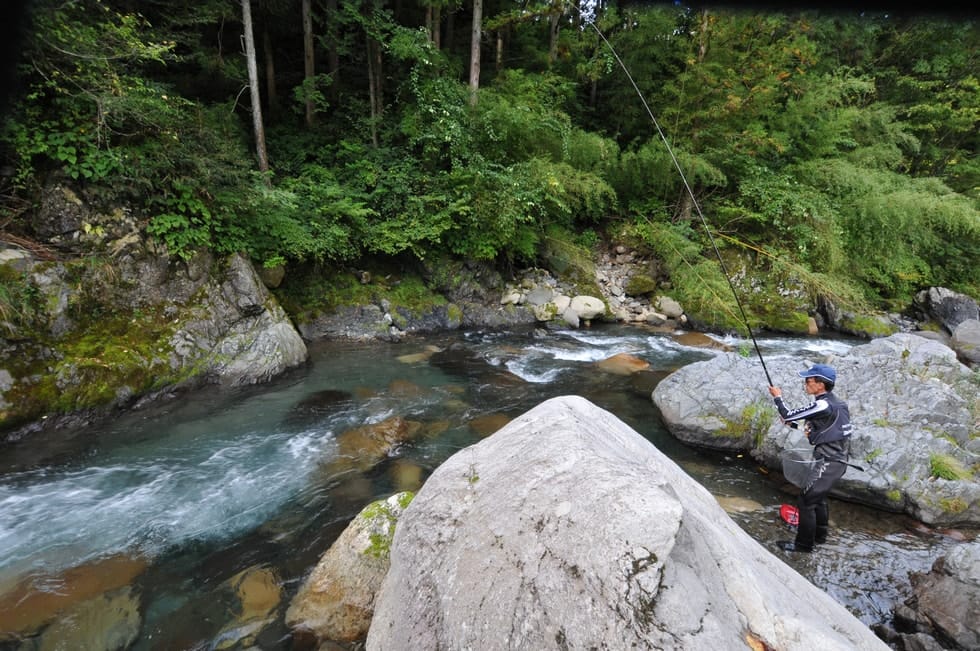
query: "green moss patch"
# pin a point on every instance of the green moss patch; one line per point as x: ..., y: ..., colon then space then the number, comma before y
x: 752, y: 423
x: 867, y: 326
x: 380, y: 511
x: 107, y: 359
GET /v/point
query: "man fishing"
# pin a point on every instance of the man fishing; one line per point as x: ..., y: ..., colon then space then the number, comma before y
x: 827, y: 425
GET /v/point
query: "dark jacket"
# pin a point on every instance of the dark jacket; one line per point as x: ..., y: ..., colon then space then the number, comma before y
x: 828, y: 423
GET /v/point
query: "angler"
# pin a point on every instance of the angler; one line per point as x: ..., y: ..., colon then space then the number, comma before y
x: 827, y: 425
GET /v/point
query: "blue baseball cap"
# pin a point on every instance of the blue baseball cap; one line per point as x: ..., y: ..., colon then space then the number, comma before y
x: 821, y: 371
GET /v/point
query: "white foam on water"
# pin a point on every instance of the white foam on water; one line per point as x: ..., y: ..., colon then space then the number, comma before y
x: 523, y: 368
x: 51, y: 520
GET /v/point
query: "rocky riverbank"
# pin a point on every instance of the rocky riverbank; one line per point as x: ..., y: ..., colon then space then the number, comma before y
x: 111, y: 321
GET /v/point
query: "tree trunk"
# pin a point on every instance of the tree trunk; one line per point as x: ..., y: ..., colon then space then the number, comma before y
x: 374, y: 86
x: 333, y: 57
x: 253, y: 84
x: 270, y: 72
x: 685, y: 207
x: 499, y: 61
x: 475, y: 49
x: 308, y: 68
x: 703, y: 36
x: 450, y: 29
x: 437, y: 27
x: 554, y: 23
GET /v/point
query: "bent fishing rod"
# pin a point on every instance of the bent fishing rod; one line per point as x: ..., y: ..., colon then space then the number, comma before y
x: 690, y: 192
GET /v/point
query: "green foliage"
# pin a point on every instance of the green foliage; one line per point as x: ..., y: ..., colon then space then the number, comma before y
x: 748, y: 67
x: 899, y: 234
x: 700, y: 285
x: 590, y: 152
x: 821, y: 118
x: 943, y: 466
x: 520, y: 118
x: 310, y: 217
x: 655, y: 47
x: 415, y: 213
x: 502, y: 205
x: 435, y: 124
x: 86, y: 95
x: 646, y: 179
x: 510, y: 208
x: 777, y: 207
x: 841, y: 149
x: 312, y: 90
x: 21, y: 302
x: 927, y: 70
x: 187, y: 225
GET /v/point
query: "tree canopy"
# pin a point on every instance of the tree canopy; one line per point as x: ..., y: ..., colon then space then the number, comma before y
x: 841, y: 144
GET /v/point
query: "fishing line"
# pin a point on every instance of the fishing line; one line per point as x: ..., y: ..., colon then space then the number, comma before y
x: 690, y: 192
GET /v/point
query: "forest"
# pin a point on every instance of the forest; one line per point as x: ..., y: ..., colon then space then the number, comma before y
x: 834, y: 147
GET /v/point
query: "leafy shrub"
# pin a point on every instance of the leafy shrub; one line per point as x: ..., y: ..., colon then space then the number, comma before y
x: 85, y: 93
x: 508, y: 210
x: 778, y: 208
x: 310, y: 217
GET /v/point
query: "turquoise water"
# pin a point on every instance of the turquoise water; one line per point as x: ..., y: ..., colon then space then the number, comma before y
x: 220, y: 481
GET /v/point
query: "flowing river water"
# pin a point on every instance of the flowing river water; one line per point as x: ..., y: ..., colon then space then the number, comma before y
x: 193, y: 491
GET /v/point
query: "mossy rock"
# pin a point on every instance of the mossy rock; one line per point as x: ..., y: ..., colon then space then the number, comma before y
x: 867, y: 325
x: 790, y: 321
x: 568, y: 260
x: 641, y: 285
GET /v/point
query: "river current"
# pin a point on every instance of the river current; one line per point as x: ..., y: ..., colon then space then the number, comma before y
x: 220, y: 481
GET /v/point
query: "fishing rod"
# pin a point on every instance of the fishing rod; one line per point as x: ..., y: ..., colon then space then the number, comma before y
x: 690, y: 192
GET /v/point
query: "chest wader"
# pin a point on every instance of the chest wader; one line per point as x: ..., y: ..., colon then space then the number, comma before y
x: 814, y: 511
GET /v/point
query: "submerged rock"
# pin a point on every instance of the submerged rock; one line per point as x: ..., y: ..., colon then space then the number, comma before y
x: 946, y: 603
x: 336, y: 601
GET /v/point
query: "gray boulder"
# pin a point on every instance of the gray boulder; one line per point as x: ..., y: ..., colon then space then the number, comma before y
x: 242, y: 335
x: 153, y: 322
x: 568, y: 530
x: 947, y: 307
x: 946, y: 601
x: 913, y: 406
x: 966, y: 341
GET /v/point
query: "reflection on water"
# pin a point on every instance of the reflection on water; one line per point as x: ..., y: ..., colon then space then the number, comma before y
x: 221, y: 481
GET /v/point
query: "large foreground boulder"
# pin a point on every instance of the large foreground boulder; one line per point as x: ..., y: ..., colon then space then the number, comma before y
x: 568, y: 530
x: 914, y: 408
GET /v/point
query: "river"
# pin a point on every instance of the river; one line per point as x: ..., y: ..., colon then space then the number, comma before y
x: 219, y: 481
